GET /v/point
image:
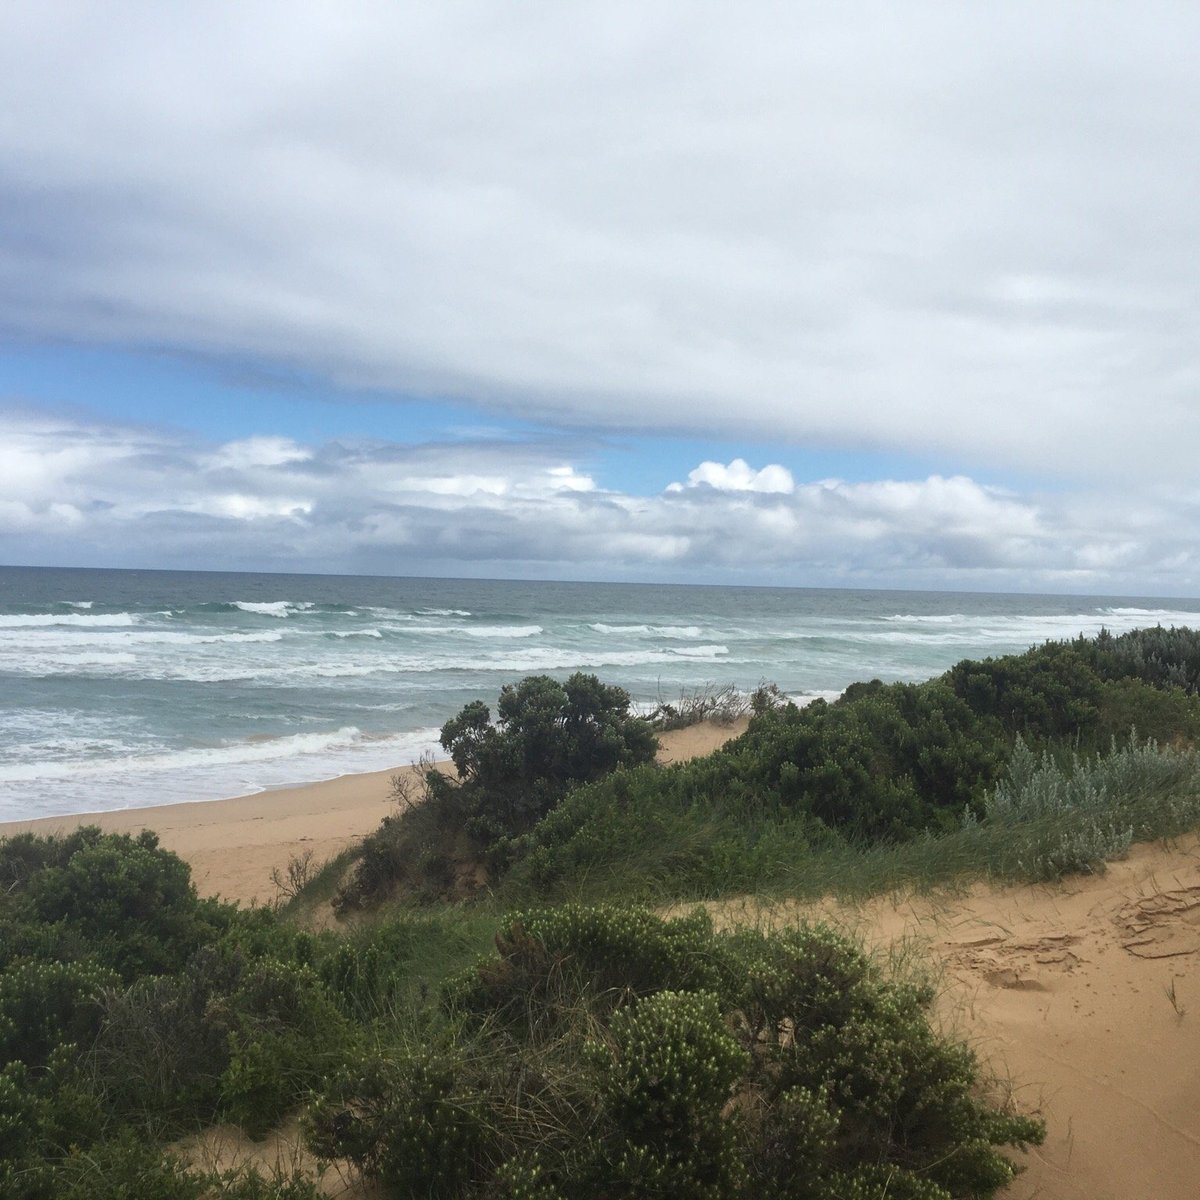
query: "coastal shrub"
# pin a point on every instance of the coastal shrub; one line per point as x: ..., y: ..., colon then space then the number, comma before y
x: 548, y: 737
x: 416, y: 1120
x: 604, y: 1052
x: 120, y: 900
x: 1075, y: 812
x: 843, y: 783
x: 45, y: 1114
x: 1162, y: 657
x: 667, y: 1067
x: 601, y: 953
x: 231, y: 1037
x: 45, y: 1005
x: 720, y: 705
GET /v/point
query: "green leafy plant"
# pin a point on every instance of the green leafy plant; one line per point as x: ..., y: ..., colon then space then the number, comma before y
x: 602, y: 1052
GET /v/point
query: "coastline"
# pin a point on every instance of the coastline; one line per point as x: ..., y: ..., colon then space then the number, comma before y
x: 233, y: 845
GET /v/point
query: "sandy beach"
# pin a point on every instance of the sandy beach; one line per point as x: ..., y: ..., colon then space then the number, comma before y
x: 1083, y: 996
x: 234, y: 845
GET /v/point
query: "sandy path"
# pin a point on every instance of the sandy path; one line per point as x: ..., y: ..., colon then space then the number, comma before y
x: 233, y: 845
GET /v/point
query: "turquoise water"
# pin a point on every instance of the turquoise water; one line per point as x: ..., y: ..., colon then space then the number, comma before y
x: 127, y: 688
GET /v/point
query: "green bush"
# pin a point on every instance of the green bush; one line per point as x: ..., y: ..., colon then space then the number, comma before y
x: 548, y: 738
x: 44, y: 1005
x: 1065, y: 813
x: 667, y: 1069
x: 603, y: 1052
x: 885, y: 764
x: 120, y: 900
x: 415, y: 1121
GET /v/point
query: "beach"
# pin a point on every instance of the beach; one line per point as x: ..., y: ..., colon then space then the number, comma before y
x: 234, y: 845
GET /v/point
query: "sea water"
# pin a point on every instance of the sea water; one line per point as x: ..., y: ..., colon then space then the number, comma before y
x: 127, y: 688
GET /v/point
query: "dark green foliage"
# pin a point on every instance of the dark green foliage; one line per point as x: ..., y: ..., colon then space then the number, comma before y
x: 548, y: 737
x: 603, y: 954
x: 667, y: 1068
x: 121, y: 900
x: 605, y: 1053
x: 129, y: 1007
x: 45, y: 1005
x: 415, y: 1121
x: 882, y: 765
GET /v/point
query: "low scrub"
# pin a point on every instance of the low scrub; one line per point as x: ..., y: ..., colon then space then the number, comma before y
x: 603, y: 1052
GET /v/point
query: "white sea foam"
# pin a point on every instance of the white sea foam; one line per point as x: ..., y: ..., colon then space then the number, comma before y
x: 666, y: 631
x: 69, y: 662
x: 700, y: 651
x: 555, y: 658
x: 131, y: 638
x: 1017, y: 630
x: 229, y: 754
x: 927, y: 619
x: 233, y: 768
x: 1159, y: 616
x: 442, y: 612
x: 79, y: 603
x: 349, y: 633
x: 90, y: 620
x: 480, y: 631
x: 273, y: 608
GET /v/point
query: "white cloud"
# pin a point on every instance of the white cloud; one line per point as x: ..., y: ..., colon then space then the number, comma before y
x: 259, y: 452
x: 962, y: 229
x: 739, y: 476
x: 128, y: 496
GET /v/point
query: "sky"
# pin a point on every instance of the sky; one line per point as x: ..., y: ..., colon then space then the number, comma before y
x: 814, y: 294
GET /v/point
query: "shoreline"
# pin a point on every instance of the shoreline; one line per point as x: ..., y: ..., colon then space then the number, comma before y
x: 233, y: 844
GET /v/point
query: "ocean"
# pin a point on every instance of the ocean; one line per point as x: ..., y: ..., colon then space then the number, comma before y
x: 122, y: 689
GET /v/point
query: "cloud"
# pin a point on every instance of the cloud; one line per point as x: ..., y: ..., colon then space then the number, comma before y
x: 960, y: 230
x: 82, y: 493
x: 739, y: 476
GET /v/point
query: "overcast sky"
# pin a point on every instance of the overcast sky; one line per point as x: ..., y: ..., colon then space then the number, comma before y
x: 901, y: 294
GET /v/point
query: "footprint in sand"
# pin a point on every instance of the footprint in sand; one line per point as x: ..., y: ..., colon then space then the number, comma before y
x: 1008, y: 963
x: 1164, y: 925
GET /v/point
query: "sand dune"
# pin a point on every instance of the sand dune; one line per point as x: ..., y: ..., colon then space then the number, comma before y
x: 1084, y: 996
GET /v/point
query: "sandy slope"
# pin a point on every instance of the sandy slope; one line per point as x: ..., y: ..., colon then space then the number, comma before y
x: 1085, y: 996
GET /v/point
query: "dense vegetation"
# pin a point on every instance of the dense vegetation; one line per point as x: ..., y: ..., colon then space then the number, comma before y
x: 600, y: 1052
x: 604, y: 1052
x: 596, y: 1050
x: 867, y: 779
x: 549, y: 737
